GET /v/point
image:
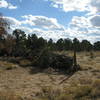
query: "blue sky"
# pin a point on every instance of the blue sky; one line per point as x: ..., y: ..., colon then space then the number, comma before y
x: 55, y: 18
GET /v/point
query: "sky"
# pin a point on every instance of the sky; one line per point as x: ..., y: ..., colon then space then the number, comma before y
x: 54, y: 18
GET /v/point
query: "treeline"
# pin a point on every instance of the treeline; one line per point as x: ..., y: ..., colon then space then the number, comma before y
x: 18, y: 44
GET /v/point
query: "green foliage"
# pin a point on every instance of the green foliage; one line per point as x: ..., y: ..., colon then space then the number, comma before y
x: 20, y: 45
x: 86, y: 45
x: 48, y: 59
x: 97, y: 46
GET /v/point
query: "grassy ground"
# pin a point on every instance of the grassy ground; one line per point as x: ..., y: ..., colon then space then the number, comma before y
x: 83, y: 85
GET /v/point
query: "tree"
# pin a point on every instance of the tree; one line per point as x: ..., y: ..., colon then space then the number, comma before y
x: 41, y: 43
x: 20, y: 46
x: 4, y: 25
x: 97, y: 46
x: 86, y: 45
x: 51, y: 44
x: 67, y: 44
x: 33, y: 41
x: 60, y: 44
x: 76, y: 44
x: 9, y: 44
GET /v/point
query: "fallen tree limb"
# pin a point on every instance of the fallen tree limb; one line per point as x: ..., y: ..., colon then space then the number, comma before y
x: 66, y: 79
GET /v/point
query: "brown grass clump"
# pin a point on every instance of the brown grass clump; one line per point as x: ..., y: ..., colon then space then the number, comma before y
x: 82, y: 91
x: 96, y: 89
x: 25, y: 62
x: 49, y: 93
x: 7, y: 65
x: 8, y: 95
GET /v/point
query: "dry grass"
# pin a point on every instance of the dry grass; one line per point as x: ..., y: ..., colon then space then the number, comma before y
x: 9, y: 95
x: 7, y: 65
x: 24, y: 63
x: 82, y: 92
x: 83, y: 85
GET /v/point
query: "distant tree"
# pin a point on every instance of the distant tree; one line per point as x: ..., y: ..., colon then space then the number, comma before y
x: 86, y: 45
x: 41, y: 43
x: 97, y: 46
x: 60, y: 44
x: 9, y: 44
x: 4, y: 26
x: 76, y: 44
x: 51, y: 44
x: 33, y: 42
x: 67, y: 44
x: 32, y: 45
x: 20, y: 46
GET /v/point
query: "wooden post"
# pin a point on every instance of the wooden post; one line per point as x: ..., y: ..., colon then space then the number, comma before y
x: 75, y: 59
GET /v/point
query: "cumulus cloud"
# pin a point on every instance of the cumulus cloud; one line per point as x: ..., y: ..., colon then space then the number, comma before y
x: 71, y: 5
x: 83, y: 28
x: 96, y: 5
x: 13, y: 21
x: 47, y: 34
x: 95, y: 20
x: 5, y: 4
x: 42, y: 22
x: 79, y: 27
x: 92, y: 6
x: 80, y: 22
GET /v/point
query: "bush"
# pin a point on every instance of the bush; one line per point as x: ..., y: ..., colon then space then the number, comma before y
x: 48, y: 59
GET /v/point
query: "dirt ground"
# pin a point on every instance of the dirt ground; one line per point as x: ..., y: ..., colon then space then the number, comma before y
x: 26, y: 84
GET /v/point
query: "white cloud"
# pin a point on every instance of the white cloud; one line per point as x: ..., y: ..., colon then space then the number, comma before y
x: 79, y: 27
x: 13, y: 21
x: 5, y: 4
x: 72, y: 5
x: 47, y: 34
x: 81, y: 22
x: 10, y: 6
x: 92, y: 6
x: 83, y: 28
x: 42, y: 22
x: 95, y: 20
x: 96, y: 5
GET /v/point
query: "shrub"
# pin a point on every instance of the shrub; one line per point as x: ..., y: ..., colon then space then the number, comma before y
x: 48, y: 59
